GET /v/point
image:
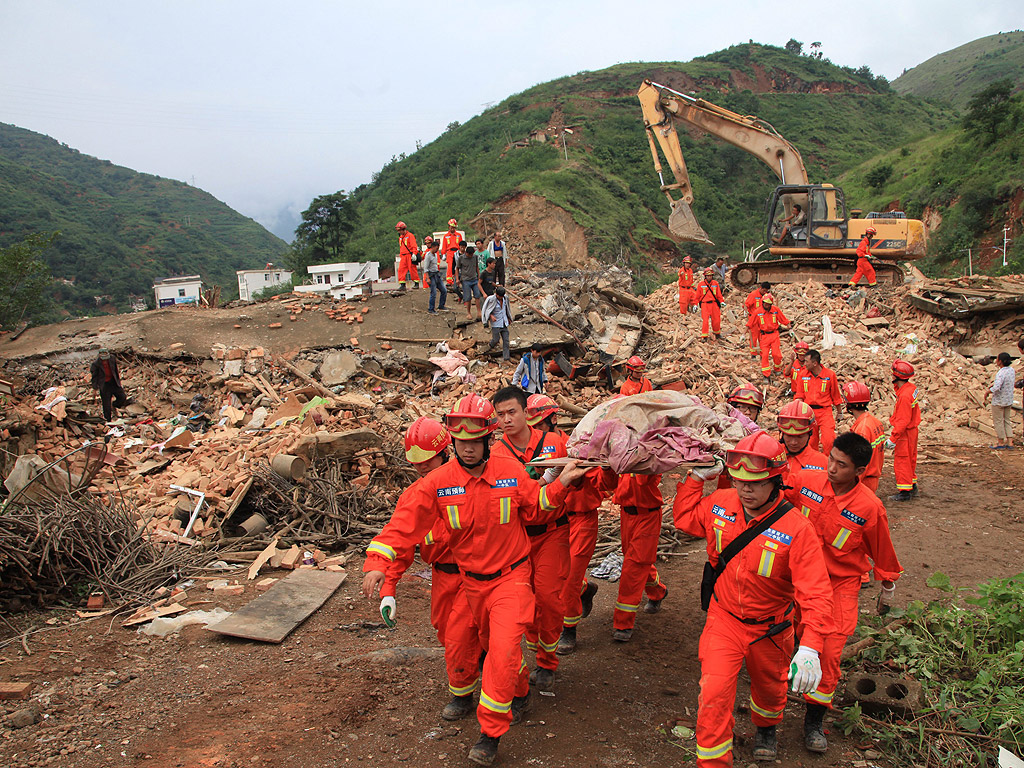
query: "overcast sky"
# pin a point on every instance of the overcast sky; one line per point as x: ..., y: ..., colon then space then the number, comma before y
x: 268, y: 104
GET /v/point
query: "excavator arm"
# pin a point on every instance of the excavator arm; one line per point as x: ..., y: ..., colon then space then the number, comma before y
x: 662, y: 106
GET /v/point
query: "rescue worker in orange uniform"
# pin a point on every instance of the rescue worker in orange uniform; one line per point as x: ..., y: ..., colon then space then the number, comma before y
x: 746, y: 401
x: 709, y: 296
x: 853, y: 528
x: 753, y: 305
x: 768, y: 321
x: 750, y: 609
x: 408, y: 256
x: 795, y: 368
x: 686, y: 292
x: 906, y: 416
x: 796, y: 423
x: 864, y: 257
x: 426, y: 448
x: 819, y: 388
x: 450, y: 246
x: 640, y: 501
x: 484, y: 503
x: 549, y: 542
x: 635, y: 382
x: 857, y: 397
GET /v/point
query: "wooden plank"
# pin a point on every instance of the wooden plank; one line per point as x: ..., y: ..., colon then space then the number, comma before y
x: 274, y: 614
x: 14, y: 691
x: 561, y: 461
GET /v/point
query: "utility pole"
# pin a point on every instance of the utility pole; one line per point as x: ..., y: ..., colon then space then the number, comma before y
x: 564, y: 150
x: 1006, y: 229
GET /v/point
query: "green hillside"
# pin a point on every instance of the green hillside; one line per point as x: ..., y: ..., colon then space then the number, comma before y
x: 836, y: 116
x: 957, y: 75
x: 120, y: 229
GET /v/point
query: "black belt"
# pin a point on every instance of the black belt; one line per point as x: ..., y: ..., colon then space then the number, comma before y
x: 769, y: 620
x: 539, y: 530
x: 820, y: 407
x: 496, y: 574
x: 766, y: 333
x: 447, y: 567
x: 638, y: 510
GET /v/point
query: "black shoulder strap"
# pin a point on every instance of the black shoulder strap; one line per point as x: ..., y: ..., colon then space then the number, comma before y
x: 737, y: 544
x: 536, y: 451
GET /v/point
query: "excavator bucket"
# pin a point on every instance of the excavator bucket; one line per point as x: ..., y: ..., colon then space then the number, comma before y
x: 683, y: 224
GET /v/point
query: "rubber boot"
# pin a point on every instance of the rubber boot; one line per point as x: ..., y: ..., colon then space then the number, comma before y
x: 485, y: 750
x: 567, y: 642
x: 814, y: 730
x: 766, y: 745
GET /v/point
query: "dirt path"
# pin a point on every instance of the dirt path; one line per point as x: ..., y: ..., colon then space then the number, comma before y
x: 120, y: 698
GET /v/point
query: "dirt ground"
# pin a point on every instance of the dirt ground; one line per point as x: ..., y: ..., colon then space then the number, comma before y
x: 113, y: 697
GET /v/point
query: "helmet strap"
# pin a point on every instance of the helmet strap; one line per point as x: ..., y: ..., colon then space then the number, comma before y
x: 486, y: 456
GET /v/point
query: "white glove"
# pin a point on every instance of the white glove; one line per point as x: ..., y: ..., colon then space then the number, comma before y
x: 388, y: 608
x: 885, y: 598
x: 805, y: 670
x: 710, y: 472
x: 890, y: 445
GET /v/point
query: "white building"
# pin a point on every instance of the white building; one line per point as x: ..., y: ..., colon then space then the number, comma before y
x: 178, y: 290
x: 252, y: 281
x: 344, y: 280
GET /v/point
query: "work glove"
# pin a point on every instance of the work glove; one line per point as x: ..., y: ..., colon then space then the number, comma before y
x: 388, y: 607
x: 805, y: 670
x: 890, y: 445
x: 885, y: 598
x: 709, y: 473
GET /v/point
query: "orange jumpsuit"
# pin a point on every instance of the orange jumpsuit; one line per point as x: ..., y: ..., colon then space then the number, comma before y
x: 906, y: 416
x: 852, y: 528
x: 864, y: 268
x: 756, y: 590
x: 710, y: 298
x: 449, y: 247
x: 581, y: 506
x: 794, y: 371
x: 449, y: 610
x: 767, y: 322
x: 821, y: 392
x: 486, y: 519
x: 406, y: 250
x: 630, y: 387
x: 640, y: 527
x: 686, y: 292
x: 808, y: 458
x: 549, y: 551
x: 753, y: 305
x: 872, y: 430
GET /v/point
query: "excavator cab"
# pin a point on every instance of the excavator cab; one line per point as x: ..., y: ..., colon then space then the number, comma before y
x: 823, y: 223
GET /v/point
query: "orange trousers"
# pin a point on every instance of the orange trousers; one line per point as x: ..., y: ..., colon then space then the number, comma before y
x: 845, y: 593
x: 710, y: 313
x: 755, y: 340
x: 502, y: 608
x: 770, y: 347
x: 639, y: 532
x: 864, y: 269
x: 725, y: 644
x: 407, y: 268
x: 549, y: 558
x: 823, y: 433
x: 582, y: 540
x: 871, y: 483
x: 904, y: 460
x: 687, y: 297
x: 451, y: 617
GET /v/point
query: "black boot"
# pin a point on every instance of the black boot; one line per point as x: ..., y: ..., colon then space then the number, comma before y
x: 485, y: 750
x: 902, y: 496
x: 913, y: 491
x: 520, y: 706
x: 814, y: 730
x: 458, y: 707
x: 543, y: 679
x: 587, y: 598
x: 766, y: 746
x: 567, y: 642
x: 653, y: 606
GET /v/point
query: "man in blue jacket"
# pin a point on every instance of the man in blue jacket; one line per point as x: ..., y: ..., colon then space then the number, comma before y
x: 529, y: 373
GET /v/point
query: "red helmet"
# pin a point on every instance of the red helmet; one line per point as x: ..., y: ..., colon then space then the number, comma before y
x: 636, y: 363
x: 767, y: 299
x: 902, y: 370
x: 870, y: 231
x: 424, y: 439
x: 856, y: 392
x: 428, y: 239
x: 796, y: 418
x: 538, y: 408
x: 452, y: 222
x: 746, y: 394
x: 471, y: 418
x: 400, y: 225
x: 756, y: 457
x: 687, y: 260
x: 802, y: 345
x: 709, y: 270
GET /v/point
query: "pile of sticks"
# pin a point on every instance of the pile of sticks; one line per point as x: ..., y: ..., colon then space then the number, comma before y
x: 608, y: 539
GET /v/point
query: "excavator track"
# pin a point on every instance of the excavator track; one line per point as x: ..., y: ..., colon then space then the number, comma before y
x: 831, y: 270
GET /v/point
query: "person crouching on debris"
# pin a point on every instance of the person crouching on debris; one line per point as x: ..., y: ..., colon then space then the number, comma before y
x: 484, y: 504
x: 529, y: 375
x: 763, y: 556
x: 426, y: 448
x: 635, y: 382
x: 853, y: 526
x: 107, y: 379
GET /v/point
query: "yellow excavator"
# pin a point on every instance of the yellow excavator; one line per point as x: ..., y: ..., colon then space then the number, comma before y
x: 808, y: 230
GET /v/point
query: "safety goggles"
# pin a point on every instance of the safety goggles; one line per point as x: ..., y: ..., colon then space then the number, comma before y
x: 734, y: 460
x: 468, y: 428
x: 794, y: 425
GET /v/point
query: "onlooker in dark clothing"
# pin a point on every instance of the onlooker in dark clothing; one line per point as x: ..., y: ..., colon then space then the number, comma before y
x: 107, y: 380
x: 488, y: 277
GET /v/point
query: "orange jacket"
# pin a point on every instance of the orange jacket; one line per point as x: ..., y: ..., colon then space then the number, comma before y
x: 597, y: 485
x: 782, y: 564
x: 794, y: 371
x: 753, y: 301
x: 852, y: 527
x: 450, y: 242
x: 820, y: 390
x: 808, y: 458
x: 906, y: 413
x: 541, y: 445
x: 685, y: 277
x: 407, y: 244
x: 432, y: 552
x: 767, y: 321
x: 872, y: 430
x: 708, y: 293
x: 484, y: 516
x: 640, y: 491
x: 630, y: 387
x: 864, y: 249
